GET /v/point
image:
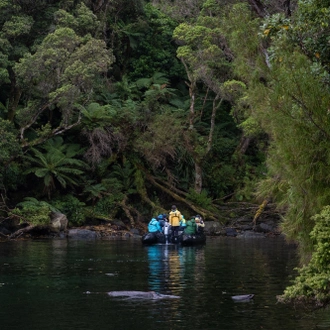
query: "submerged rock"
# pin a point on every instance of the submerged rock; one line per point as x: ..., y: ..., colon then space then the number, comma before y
x: 141, y: 295
x: 243, y: 297
x: 82, y: 234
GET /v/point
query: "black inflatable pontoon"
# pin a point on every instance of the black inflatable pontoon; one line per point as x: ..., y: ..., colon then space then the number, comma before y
x: 180, y: 238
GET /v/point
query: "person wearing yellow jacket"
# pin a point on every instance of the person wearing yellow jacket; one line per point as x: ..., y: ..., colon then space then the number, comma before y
x: 174, y: 219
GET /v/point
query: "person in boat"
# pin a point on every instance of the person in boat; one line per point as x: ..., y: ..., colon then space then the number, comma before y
x: 154, y: 226
x: 183, y: 223
x: 161, y: 220
x: 191, y: 227
x: 174, y: 219
x: 200, y: 223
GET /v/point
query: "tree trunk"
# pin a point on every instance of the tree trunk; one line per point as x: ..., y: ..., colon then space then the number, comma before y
x: 14, y: 97
x: 257, y: 7
x: 192, y: 94
x: 198, y: 177
x: 212, y: 125
x: 127, y: 211
x: 243, y: 145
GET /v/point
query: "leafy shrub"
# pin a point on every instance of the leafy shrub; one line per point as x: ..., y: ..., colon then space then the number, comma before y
x: 72, y: 207
x: 199, y: 199
x: 33, y: 212
x: 107, y: 207
x: 313, y: 282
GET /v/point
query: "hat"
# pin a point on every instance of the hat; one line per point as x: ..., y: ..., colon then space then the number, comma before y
x: 173, y: 207
x: 160, y: 217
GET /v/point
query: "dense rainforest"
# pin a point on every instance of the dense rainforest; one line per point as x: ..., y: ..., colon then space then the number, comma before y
x: 116, y: 109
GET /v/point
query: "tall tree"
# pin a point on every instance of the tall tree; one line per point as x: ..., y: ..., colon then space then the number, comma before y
x: 288, y: 95
x: 206, y: 58
x: 23, y: 24
x: 60, y: 76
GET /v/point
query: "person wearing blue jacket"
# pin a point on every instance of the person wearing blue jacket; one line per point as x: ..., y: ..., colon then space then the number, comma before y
x: 183, y: 223
x: 161, y: 220
x: 154, y: 226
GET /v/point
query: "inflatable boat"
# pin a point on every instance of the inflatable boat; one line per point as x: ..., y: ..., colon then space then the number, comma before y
x: 179, y: 238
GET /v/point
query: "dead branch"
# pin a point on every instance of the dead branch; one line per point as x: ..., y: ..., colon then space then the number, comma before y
x: 22, y: 231
x: 176, y: 190
x: 205, y: 213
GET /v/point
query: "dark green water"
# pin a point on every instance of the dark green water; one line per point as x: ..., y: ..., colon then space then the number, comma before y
x: 43, y: 285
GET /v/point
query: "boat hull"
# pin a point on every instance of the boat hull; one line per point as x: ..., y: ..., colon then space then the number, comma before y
x: 193, y: 239
x: 181, y: 238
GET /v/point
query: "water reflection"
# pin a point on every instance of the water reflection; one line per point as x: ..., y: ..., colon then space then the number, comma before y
x: 41, y: 279
x: 172, y: 268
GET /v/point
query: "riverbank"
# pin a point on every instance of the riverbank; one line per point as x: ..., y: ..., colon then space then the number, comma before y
x: 237, y: 227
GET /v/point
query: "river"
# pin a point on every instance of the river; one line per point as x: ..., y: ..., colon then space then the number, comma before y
x: 61, y: 284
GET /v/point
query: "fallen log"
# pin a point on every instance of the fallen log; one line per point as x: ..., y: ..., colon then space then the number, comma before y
x: 28, y: 229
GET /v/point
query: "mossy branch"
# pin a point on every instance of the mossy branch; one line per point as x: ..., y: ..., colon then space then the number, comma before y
x: 205, y: 213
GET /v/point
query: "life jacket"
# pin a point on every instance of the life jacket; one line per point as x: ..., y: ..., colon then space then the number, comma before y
x: 175, y: 217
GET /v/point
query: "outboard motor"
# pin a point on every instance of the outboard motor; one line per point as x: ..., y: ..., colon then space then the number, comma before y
x: 167, y: 231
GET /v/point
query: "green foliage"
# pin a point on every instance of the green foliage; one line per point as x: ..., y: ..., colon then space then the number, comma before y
x: 158, y: 142
x: 311, y: 30
x: 125, y: 175
x: 95, y: 116
x: 98, y: 127
x: 250, y: 127
x: 22, y: 26
x: 9, y: 145
x: 297, y: 119
x: 11, y: 176
x: 287, y: 96
x: 60, y: 75
x: 33, y: 211
x: 313, y: 281
x: 72, y: 207
x: 94, y: 191
x: 82, y: 20
x: 201, y: 199
x: 127, y: 121
x: 17, y: 26
x: 202, y: 51
x: 107, y: 207
x: 77, y: 60
x: 155, y: 52
x: 56, y: 163
x: 275, y: 26
x: 241, y: 31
